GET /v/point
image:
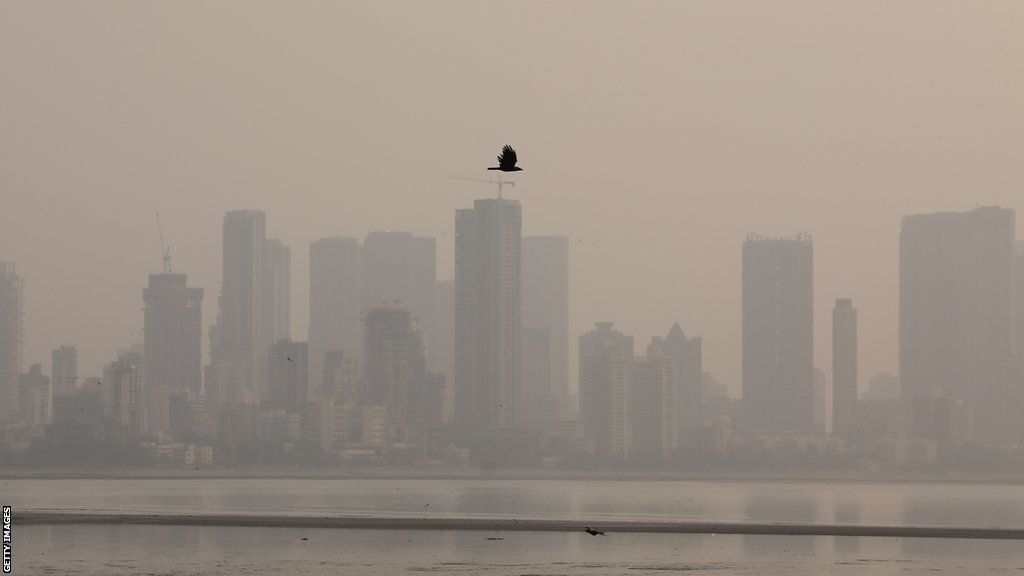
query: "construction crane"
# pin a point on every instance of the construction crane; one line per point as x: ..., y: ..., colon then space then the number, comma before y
x: 501, y: 183
x: 164, y: 248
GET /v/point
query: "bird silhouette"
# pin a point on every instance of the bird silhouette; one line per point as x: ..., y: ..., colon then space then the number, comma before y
x: 593, y: 532
x: 289, y: 358
x: 507, y: 160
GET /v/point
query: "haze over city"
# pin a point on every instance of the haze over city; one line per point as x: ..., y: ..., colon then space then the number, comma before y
x: 658, y: 136
x: 580, y: 287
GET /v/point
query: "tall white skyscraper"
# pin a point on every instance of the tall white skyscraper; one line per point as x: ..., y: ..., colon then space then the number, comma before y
x: 488, y: 322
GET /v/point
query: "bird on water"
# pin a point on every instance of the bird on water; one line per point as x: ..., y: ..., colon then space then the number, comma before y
x: 593, y: 532
x: 507, y: 160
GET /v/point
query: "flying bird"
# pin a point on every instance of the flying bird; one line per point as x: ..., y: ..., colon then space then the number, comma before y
x: 289, y: 358
x: 507, y: 160
x: 593, y: 532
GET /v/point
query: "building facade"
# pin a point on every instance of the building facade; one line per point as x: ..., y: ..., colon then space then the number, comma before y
x: 12, y: 322
x: 844, y: 367
x: 488, y: 321
x: 606, y: 358
x: 334, y: 288
x: 777, y: 310
x: 956, y: 302
x: 545, y: 303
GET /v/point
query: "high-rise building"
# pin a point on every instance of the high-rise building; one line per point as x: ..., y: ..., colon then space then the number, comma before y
x: 64, y: 370
x: 334, y: 287
x: 123, y: 394
x: 277, y: 275
x: 172, y: 333
x: 956, y: 302
x: 844, y: 367
x: 34, y: 397
x: 778, y: 371
x: 443, y: 346
x: 606, y: 358
x: 686, y: 355
x: 289, y: 376
x: 239, y: 333
x: 395, y: 367
x: 488, y: 358
x: 12, y: 319
x: 1018, y: 302
x: 401, y: 269
x: 341, y: 378
x: 545, y: 304
x: 653, y: 422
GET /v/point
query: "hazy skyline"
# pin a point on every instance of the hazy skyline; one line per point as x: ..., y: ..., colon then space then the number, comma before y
x: 654, y: 135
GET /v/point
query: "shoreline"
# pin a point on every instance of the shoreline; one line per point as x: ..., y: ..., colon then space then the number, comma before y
x: 477, y: 474
x: 489, y: 524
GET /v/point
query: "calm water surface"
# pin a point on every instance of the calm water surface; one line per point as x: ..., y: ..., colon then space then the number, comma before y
x: 876, y: 503
x: 191, y: 551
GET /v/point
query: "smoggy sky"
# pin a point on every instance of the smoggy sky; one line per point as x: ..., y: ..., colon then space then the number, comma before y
x: 655, y: 135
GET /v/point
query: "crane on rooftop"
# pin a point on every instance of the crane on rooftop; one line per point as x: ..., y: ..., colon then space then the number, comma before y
x: 164, y: 248
x: 501, y: 183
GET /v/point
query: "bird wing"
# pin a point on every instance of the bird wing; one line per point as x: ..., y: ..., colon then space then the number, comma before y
x: 508, y: 157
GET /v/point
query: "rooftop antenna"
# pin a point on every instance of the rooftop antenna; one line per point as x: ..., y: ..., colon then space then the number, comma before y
x: 164, y: 249
x: 501, y: 183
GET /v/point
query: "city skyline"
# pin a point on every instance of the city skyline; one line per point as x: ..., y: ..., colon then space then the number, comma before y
x: 697, y: 163
x: 822, y: 359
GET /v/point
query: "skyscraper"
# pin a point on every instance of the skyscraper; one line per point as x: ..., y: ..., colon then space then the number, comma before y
x: 545, y: 304
x: 399, y: 268
x: 606, y: 358
x: 172, y: 333
x: 1018, y: 304
x: 123, y: 393
x: 687, y: 356
x: 956, y: 302
x: 778, y: 371
x: 443, y: 346
x: 64, y: 370
x: 239, y: 334
x: 334, y: 288
x: 12, y: 319
x: 488, y: 320
x: 277, y: 275
x: 34, y: 394
x: 395, y: 365
x: 653, y: 421
x: 844, y: 366
x: 341, y: 378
